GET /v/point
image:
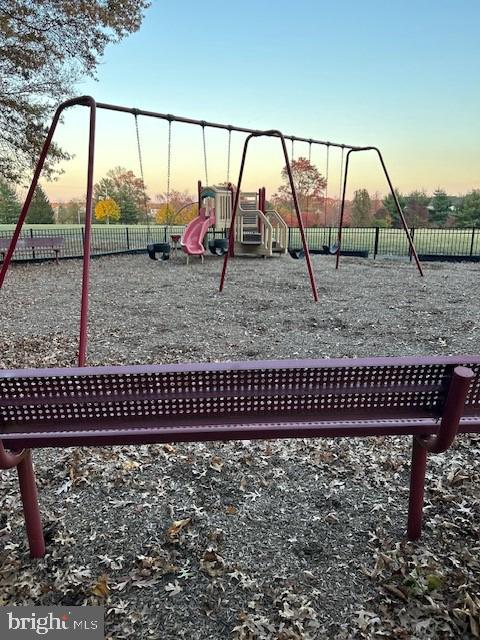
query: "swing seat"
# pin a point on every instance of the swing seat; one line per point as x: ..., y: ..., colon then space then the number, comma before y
x: 151, y: 251
x: 158, y: 247
x: 296, y: 254
x: 218, y: 247
x: 332, y: 249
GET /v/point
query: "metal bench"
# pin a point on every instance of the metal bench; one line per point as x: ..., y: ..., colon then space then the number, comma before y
x: 52, y: 243
x: 430, y: 399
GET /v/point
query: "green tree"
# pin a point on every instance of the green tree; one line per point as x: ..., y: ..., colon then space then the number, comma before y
x: 47, y: 46
x: 389, y: 204
x: 383, y: 222
x: 40, y: 211
x: 9, y: 203
x: 361, y: 209
x: 468, y: 214
x: 416, y: 209
x: 72, y: 212
x: 440, y: 207
x: 128, y: 192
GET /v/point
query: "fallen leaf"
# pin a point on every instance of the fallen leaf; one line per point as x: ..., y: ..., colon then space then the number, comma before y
x: 173, y: 589
x: 176, y: 527
x: 391, y: 588
x: 101, y: 589
x: 434, y: 581
x: 216, y: 463
x: 168, y: 448
x: 212, y: 563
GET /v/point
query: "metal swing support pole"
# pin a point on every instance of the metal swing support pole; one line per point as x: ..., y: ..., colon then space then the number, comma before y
x: 395, y: 199
x: 88, y: 102
x: 82, y: 349
x: 274, y: 134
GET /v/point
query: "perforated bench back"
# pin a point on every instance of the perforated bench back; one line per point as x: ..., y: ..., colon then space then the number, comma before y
x: 243, y: 399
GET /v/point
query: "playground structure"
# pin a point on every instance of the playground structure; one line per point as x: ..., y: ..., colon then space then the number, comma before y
x: 258, y: 231
x: 92, y: 105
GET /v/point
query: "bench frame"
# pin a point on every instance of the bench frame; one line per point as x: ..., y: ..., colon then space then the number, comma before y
x: 53, y: 243
x: 432, y: 432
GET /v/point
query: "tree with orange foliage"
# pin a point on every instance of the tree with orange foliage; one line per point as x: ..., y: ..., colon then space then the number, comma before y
x: 178, y: 207
x: 309, y: 182
x: 309, y: 185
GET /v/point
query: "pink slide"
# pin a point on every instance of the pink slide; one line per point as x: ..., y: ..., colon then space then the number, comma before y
x: 193, y: 235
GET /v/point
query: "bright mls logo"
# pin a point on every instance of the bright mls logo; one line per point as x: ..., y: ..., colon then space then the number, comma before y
x: 24, y: 623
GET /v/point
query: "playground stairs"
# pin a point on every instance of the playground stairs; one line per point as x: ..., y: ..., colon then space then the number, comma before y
x: 258, y: 233
x: 279, y: 231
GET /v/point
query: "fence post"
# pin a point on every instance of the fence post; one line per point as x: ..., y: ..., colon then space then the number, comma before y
x: 473, y: 241
x: 289, y: 244
x: 412, y: 235
x: 329, y: 237
x: 128, y: 238
x: 375, y: 246
x: 33, y: 248
x: 83, y: 240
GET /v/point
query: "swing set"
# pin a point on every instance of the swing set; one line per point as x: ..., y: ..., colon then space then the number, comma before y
x: 92, y: 105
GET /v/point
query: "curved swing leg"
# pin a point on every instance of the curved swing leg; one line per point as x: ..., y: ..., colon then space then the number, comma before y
x: 31, y: 511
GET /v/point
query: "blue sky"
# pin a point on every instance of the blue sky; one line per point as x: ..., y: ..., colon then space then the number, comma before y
x: 402, y: 75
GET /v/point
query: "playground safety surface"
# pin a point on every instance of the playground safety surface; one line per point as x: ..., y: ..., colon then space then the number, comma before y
x: 280, y: 540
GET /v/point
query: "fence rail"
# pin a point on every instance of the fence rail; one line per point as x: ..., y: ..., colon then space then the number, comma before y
x: 430, y: 243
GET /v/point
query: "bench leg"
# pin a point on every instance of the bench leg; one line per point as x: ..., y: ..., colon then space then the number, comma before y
x: 417, y: 490
x: 28, y: 491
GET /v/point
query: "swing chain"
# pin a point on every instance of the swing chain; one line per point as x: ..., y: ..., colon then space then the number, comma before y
x: 169, y: 162
x: 292, y: 160
x: 205, y: 153
x: 341, y: 185
x: 309, y: 162
x: 228, y: 154
x: 326, y: 187
x: 140, y: 162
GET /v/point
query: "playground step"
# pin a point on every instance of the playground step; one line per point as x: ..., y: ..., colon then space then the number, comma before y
x: 252, y: 238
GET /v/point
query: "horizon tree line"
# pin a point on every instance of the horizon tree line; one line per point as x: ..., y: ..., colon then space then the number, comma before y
x: 120, y: 197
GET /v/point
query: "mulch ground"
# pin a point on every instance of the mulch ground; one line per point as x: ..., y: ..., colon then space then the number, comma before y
x: 279, y: 540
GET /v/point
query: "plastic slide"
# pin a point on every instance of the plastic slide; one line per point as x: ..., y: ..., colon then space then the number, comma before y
x: 192, y: 239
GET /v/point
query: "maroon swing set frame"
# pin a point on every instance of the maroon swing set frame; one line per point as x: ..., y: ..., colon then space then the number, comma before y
x: 90, y: 102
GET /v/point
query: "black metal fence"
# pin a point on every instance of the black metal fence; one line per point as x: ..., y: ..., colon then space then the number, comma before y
x: 430, y: 243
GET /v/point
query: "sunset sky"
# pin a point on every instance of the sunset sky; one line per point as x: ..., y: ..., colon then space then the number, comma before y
x: 401, y: 75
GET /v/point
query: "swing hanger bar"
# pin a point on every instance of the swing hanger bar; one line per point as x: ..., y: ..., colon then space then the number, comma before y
x: 215, y: 125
